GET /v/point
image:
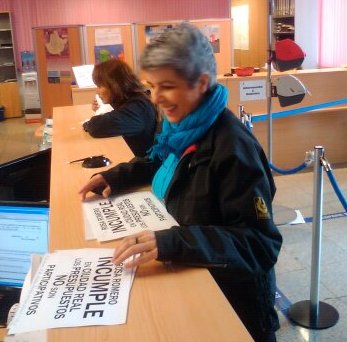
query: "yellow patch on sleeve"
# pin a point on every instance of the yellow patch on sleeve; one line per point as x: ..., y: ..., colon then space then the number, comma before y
x: 261, y: 209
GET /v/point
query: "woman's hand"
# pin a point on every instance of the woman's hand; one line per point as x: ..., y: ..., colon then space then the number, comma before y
x: 97, y: 184
x: 95, y: 105
x: 143, y: 243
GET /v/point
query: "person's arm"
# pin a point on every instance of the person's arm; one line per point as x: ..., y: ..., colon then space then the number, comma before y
x: 98, y: 185
x: 124, y: 176
x: 248, y: 242
x: 239, y: 189
x: 248, y: 245
x: 130, y: 119
x: 95, y: 105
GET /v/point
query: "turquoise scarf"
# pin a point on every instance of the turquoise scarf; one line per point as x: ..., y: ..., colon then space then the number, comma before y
x: 176, y: 137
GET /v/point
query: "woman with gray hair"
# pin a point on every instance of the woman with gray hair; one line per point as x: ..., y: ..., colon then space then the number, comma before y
x: 184, y: 51
x: 213, y: 177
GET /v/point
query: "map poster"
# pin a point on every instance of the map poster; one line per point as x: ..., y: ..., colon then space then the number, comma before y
x: 57, y: 55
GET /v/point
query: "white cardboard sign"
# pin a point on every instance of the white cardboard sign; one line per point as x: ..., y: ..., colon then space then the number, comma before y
x: 125, y: 215
x: 252, y: 90
x: 75, y: 288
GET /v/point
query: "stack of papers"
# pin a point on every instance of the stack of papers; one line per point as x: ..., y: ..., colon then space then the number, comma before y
x: 75, y: 288
x: 84, y: 75
x: 103, y: 107
x: 120, y: 216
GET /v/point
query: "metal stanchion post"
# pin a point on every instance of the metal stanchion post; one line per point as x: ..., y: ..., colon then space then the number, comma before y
x: 282, y: 215
x: 271, y: 5
x: 313, y: 313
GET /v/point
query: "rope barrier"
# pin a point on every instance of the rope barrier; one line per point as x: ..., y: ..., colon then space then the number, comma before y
x: 288, y: 171
x: 281, y: 114
x: 247, y: 119
x: 333, y: 182
x: 308, y: 161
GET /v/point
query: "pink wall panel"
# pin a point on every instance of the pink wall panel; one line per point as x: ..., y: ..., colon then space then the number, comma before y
x: 5, y: 5
x: 33, y: 13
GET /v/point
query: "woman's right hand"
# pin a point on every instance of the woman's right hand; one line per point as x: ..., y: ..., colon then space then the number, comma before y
x: 95, y: 105
x: 96, y: 184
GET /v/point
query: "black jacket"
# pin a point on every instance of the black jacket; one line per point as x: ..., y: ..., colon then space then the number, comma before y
x: 135, y: 121
x: 221, y: 197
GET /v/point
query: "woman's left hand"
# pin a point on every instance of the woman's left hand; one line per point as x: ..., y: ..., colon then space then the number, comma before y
x: 143, y: 243
x: 95, y: 105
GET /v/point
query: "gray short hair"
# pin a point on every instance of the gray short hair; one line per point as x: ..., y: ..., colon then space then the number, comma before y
x: 185, y: 49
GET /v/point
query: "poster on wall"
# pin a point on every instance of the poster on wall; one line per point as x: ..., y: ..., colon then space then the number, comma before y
x: 152, y: 31
x: 108, y: 44
x: 57, y: 55
x: 212, y: 32
x: 240, y: 16
x: 104, y: 53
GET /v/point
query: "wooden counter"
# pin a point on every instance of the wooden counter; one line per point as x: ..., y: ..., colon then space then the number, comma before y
x: 296, y: 134
x: 10, y: 99
x: 325, y: 85
x: 83, y: 95
x: 292, y: 136
x: 167, y: 303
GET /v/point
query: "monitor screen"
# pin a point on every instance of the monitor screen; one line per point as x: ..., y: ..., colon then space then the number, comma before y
x: 26, y: 178
x: 24, y: 231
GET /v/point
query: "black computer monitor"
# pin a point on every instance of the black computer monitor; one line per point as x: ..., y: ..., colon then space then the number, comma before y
x: 26, y: 178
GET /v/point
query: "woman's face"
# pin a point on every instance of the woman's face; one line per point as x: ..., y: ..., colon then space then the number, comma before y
x: 172, y: 94
x: 104, y: 93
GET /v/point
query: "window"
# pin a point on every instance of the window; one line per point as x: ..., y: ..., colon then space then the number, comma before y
x: 333, y: 47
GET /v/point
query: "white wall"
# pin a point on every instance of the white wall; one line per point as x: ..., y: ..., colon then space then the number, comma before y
x: 307, y: 30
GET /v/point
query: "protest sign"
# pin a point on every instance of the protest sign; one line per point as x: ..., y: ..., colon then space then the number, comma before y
x: 75, y: 288
x: 120, y: 216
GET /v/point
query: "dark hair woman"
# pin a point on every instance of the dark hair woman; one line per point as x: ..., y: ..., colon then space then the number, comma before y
x: 133, y: 116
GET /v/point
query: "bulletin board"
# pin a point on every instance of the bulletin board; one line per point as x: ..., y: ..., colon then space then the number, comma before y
x: 217, y: 30
x: 105, y: 41
x: 57, y: 50
x: 221, y: 30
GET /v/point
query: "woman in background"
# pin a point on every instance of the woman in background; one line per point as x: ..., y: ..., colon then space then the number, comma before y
x: 213, y: 177
x: 134, y: 116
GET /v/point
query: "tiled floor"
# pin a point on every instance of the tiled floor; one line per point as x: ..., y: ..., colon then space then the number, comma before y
x: 17, y: 139
x: 294, y: 265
